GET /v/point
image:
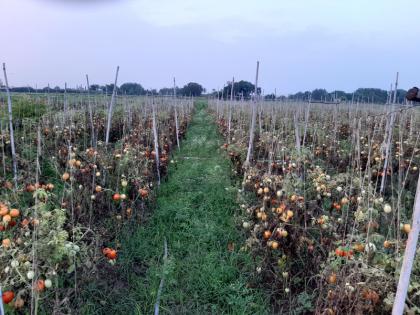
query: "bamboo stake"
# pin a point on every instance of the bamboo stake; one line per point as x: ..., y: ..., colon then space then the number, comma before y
x: 176, y: 117
x: 12, y: 139
x: 90, y: 113
x: 387, y: 151
x: 297, y: 136
x: 111, y: 105
x: 1, y: 303
x: 155, y: 136
x: 254, y: 112
x: 410, y: 252
x: 3, y: 155
x: 162, y: 280
x: 306, y: 121
x: 230, y: 108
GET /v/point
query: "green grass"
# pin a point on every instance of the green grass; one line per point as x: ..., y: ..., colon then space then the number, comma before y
x: 195, y: 214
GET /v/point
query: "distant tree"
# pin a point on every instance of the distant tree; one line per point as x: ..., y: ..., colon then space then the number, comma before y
x: 192, y: 89
x: 109, y: 88
x: 362, y: 95
x: 371, y: 95
x: 170, y: 91
x: 166, y: 91
x: 319, y: 94
x: 301, y: 96
x: 151, y: 92
x: 132, y: 89
x: 340, y: 96
x: 22, y: 89
x: 94, y: 87
x: 240, y: 89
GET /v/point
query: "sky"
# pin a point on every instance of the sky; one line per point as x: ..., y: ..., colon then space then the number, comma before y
x: 301, y: 44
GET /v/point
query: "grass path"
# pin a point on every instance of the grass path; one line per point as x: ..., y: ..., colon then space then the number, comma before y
x: 195, y: 213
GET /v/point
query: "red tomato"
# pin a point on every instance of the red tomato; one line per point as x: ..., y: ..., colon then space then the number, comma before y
x: 340, y: 253
x: 8, y: 297
x: 112, y: 254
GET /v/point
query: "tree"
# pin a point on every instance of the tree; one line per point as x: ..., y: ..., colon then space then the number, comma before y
x: 170, y: 91
x: 132, y: 89
x: 94, y: 87
x: 319, y: 94
x: 270, y: 97
x: 192, y: 89
x: 240, y: 89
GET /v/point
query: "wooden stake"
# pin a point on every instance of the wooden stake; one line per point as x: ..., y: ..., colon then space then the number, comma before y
x: 176, y: 117
x: 254, y: 114
x: 111, y: 105
x: 155, y: 136
x: 12, y: 139
x: 90, y: 113
x: 230, y: 108
x: 410, y: 252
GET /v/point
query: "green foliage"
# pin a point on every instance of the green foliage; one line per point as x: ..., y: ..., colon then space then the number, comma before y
x: 24, y: 107
x: 195, y: 214
x: 304, y: 303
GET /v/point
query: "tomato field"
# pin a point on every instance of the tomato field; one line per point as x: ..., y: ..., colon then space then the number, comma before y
x: 103, y: 198
x: 327, y: 201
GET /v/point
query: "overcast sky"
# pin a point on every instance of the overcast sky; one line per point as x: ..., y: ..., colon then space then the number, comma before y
x: 301, y: 44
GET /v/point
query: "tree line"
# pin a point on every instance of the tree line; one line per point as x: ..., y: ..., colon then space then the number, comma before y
x: 241, y: 90
x: 369, y: 95
x: 129, y: 88
x: 246, y: 90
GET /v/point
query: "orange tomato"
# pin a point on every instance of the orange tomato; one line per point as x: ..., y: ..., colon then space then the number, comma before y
x: 40, y: 285
x: 14, y: 213
x: 3, y: 210
x: 267, y: 234
x: 65, y: 176
x: 112, y: 254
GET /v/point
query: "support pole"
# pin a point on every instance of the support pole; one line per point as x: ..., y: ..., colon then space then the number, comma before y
x: 111, y: 105
x: 155, y: 136
x: 410, y: 252
x: 12, y: 138
x: 176, y: 117
x: 254, y: 112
